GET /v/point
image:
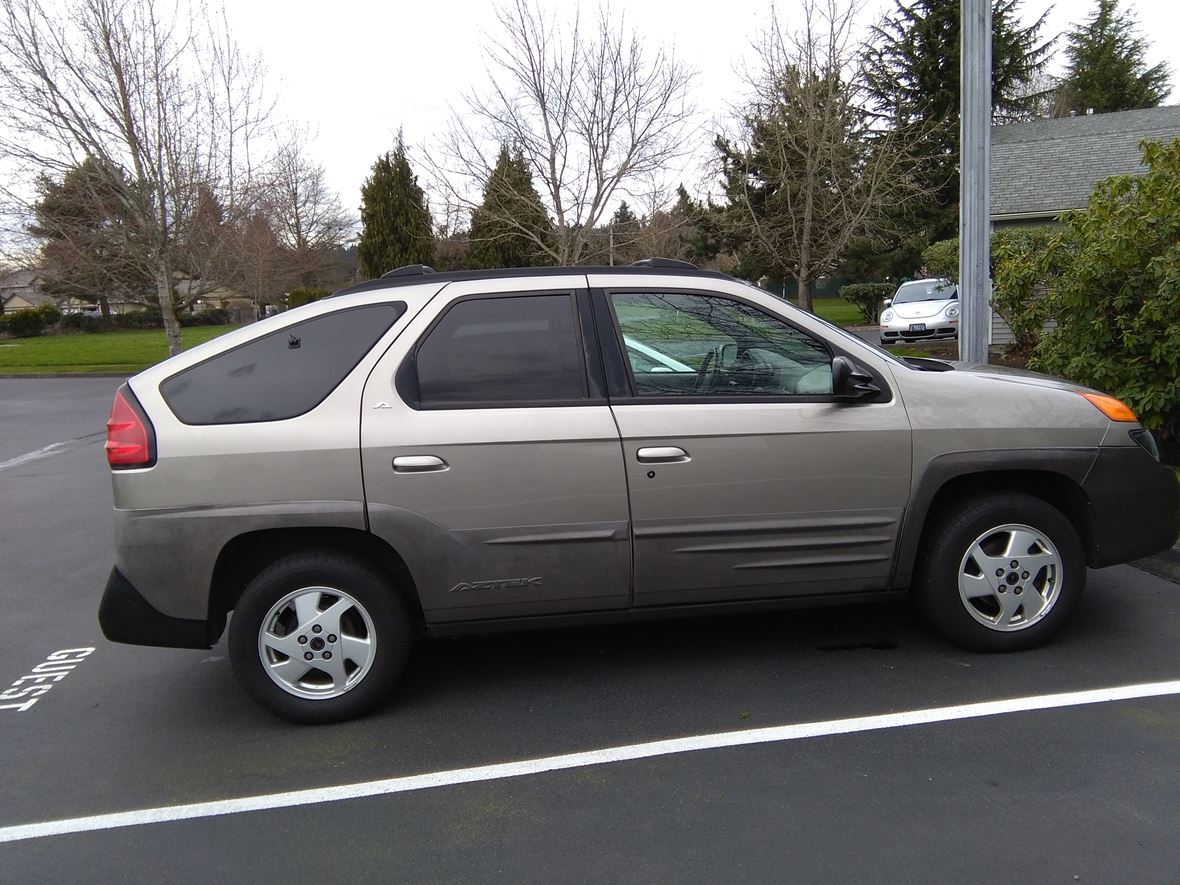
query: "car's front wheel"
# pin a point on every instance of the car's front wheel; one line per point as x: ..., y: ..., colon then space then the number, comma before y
x: 1001, y: 573
x: 319, y: 637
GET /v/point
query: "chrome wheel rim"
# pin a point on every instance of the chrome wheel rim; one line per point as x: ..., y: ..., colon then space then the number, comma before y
x: 1010, y: 577
x: 317, y: 643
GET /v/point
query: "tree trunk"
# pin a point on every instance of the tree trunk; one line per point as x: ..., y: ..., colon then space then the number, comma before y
x: 804, y: 284
x: 168, y: 307
x: 104, y: 308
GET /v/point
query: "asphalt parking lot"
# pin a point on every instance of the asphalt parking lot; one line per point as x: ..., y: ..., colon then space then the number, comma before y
x: 1061, y: 789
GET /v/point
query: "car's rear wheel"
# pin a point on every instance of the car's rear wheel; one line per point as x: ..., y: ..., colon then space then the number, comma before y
x: 319, y: 637
x: 1001, y: 573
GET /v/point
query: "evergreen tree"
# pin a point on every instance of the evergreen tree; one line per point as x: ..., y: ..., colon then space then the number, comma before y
x: 700, y: 235
x: 510, y: 227
x: 1107, y: 70
x: 90, y: 248
x: 396, y: 228
x: 624, y: 215
x: 622, y: 236
x: 912, y: 74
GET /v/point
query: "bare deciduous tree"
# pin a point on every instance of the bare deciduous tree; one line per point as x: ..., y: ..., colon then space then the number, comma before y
x: 592, y: 111
x: 807, y: 175
x: 162, y: 106
x: 306, y: 213
x: 260, y: 268
x: 1047, y: 96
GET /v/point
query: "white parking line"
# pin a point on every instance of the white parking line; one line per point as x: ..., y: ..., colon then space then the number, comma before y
x: 43, y: 452
x: 774, y: 734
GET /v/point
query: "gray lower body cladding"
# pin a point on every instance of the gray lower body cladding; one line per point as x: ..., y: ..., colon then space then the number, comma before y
x: 170, y: 555
x: 125, y: 616
x: 1136, y: 502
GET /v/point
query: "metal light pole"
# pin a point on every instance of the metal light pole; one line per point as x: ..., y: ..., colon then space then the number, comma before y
x: 975, y: 67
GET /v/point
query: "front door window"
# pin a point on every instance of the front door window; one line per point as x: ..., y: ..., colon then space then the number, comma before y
x: 683, y: 344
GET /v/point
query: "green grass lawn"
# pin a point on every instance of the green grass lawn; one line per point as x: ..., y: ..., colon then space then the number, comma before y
x: 98, y: 352
x: 836, y: 311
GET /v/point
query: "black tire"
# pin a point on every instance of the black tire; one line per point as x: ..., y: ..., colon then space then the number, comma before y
x: 944, y: 558
x: 374, y: 608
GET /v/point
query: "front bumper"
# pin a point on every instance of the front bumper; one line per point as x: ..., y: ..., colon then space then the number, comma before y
x: 934, y: 327
x: 125, y: 616
x: 1136, y: 505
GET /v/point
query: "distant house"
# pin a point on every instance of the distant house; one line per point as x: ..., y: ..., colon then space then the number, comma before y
x: 1044, y: 168
x: 21, y: 290
x: 204, y: 295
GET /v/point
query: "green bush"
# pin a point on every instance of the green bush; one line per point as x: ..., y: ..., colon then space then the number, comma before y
x: 941, y: 259
x: 1020, y: 280
x: 214, y: 316
x: 151, y: 318
x: 80, y: 322
x: 3, y: 323
x: 867, y: 297
x: 1116, y: 295
x: 25, y: 324
x: 299, y: 297
x: 50, y: 314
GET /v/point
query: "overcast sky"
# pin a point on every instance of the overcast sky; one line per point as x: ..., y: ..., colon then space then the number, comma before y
x: 356, y: 70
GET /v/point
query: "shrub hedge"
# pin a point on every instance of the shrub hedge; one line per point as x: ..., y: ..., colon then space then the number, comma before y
x: 867, y: 297
x: 25, y: 324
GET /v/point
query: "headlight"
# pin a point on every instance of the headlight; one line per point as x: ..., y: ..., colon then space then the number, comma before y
x: 887, y: 317
x: 952, y: 311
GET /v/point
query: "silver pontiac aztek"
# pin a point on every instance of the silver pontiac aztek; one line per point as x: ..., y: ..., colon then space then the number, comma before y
x: 437, y: 453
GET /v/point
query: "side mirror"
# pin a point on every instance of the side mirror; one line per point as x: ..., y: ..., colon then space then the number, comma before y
x: 850, y: 382
x: 888, y: 302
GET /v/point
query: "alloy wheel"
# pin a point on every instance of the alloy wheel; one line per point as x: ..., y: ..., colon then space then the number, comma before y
x: 1010, y: 577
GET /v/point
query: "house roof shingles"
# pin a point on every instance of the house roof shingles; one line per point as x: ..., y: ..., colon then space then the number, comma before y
x: 23, y: 284
x: 1047, y: 166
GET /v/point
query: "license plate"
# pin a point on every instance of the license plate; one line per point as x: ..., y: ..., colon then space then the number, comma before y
x: 917, y: 327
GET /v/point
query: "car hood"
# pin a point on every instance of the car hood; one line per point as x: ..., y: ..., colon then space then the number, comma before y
x: 1019, y: 376
x: 916, y: 310
x: 992, y: 407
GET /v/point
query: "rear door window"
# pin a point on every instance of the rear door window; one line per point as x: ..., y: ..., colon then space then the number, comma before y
x: 500, y: 350
x: 281, y: 375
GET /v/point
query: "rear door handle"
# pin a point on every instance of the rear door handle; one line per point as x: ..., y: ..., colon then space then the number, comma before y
x: 419, y: 464
x: 662, y: 455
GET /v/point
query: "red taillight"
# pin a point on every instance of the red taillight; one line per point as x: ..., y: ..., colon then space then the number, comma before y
x: 129, y: 440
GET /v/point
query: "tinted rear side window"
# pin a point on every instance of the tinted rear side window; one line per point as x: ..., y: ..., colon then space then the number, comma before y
x: 522, y: 348
x: 280, y: 375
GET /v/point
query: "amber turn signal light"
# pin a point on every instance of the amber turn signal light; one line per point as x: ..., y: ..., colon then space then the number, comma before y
x: 1114, y: 409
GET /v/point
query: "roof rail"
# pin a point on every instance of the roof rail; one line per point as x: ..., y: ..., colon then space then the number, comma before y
x: 664, y: 262
x: 408, y: 270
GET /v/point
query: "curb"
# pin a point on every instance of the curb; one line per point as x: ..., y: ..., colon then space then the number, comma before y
x: 15, y: 375
x: 1164, y: 565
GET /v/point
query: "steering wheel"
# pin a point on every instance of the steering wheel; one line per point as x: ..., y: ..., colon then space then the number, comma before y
x: 709, y: 371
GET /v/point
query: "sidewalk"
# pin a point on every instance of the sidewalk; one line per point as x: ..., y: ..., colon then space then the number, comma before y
x: 1163, y: 565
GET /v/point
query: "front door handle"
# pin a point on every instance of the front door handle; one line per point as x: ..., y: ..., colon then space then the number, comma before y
x: 419, y: 464
x: 662, y: 455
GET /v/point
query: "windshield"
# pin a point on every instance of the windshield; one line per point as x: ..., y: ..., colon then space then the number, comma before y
x: 926, y: 290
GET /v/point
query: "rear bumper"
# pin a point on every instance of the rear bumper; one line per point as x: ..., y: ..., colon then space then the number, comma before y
x: 1136, y: 505
x: 125, y: 616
